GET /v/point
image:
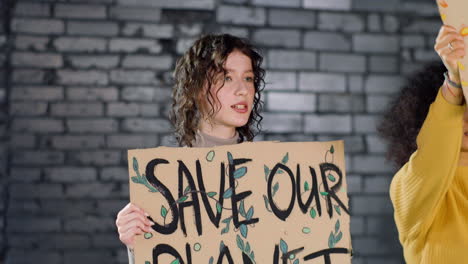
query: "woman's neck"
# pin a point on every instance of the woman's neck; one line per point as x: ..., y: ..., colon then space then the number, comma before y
x: 463, y: 161
x: 218, y: 131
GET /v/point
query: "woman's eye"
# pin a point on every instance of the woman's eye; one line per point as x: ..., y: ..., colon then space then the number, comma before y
x: 227, y: 78
x: 249, y: 79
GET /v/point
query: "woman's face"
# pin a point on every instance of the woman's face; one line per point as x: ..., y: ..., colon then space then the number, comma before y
x: 235, y: 97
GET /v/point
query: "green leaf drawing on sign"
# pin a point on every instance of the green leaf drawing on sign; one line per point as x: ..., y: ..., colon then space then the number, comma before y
x: 331, y: 178
x: 240, y: 172
x: 332, y: 149
x: 147, y: 184
x: 219, y: 208
x: 242, y: 208
x: 225, y: 230
x: 267, y: 172
x: 250, y: 213
x: 221, y: 246
x: 175, y: 261
x: 243, y: 230
x: 337, y: 226
x: 313, y: 213
x: 227, y: 221
x: 324, y: 193
x: 247, y: 248
x: 306, y: 186
x: 285, y: 158
x: 136, y: 179
x: 230, y: 159
x: 267, y: 204
x: 338, y: 209
x: 228, y: 193
x: 211, y: 194
x: 306, y: 230
x: 211, y: 260
x: 331, y: 240
x: 283, y: 246
x: 141, y: 179
x: 275, y: 189
x: 187, y: 190
x: 135, y: 164
x: 182, y: 199
x: 240, y: 242
x: 338, y: 237
x: 163, y: 211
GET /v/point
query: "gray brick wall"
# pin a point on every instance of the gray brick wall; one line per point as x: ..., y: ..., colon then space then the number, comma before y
x: 83, y: 81
x: 5, y: 46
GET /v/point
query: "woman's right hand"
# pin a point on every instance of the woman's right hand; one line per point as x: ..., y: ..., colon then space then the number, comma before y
x: 131, y: 221
x: 450, y: 46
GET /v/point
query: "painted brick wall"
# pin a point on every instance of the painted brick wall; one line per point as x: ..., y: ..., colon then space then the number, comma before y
x: 5, y: 11
x: 82, y: 81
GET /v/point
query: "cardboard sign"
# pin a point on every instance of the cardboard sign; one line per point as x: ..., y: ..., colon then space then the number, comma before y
x: 264, y: 202
x: 453, y: 13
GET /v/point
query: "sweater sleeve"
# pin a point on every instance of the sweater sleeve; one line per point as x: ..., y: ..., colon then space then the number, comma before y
x: 131, y: 256
x: 419, y: 186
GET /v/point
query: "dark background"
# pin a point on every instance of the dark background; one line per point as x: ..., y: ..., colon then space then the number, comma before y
x: 82, y: 81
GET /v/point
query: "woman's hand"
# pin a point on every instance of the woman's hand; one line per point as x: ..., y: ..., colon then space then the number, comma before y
x: 131, y: 221
x: 450, y: 46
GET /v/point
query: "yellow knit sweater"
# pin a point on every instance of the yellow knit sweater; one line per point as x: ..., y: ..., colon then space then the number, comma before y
x: 430, y: 192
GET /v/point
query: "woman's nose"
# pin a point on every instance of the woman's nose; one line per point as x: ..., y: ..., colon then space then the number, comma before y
x: 242, y: 88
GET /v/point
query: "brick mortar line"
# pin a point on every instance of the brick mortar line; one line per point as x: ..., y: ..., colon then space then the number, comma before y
x: 7, y: 12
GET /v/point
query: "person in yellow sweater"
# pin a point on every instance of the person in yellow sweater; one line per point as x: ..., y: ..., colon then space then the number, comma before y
x: 429, y: 137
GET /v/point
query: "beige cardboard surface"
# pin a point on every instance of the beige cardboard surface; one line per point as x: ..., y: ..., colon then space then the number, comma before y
x: 453, y: 13
x: 256, y: 216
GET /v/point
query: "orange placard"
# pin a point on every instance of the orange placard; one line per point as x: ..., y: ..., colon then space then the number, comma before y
x: 263, y: 202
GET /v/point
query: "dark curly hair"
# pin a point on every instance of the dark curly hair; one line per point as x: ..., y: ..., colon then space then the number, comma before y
x: 404, y: 118
x: 199, y: 68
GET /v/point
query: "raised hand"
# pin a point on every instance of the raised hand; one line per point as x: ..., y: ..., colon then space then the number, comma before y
x: 450, y: 46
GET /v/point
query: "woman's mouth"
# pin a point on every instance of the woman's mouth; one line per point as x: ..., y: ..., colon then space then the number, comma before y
x: 240, y: 108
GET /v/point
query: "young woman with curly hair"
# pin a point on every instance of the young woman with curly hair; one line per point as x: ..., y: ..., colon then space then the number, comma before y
x: 216, y: 101
x: 427, y: 131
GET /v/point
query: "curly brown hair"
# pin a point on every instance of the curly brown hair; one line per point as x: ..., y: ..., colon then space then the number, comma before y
x: 197, y: 69
x: 404, y: 118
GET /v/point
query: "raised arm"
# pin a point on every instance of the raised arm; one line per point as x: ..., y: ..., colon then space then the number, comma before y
x: 450, y: 46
